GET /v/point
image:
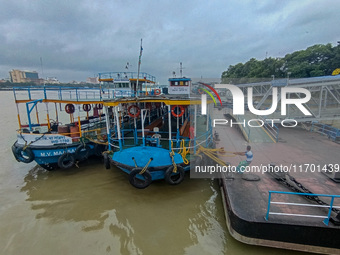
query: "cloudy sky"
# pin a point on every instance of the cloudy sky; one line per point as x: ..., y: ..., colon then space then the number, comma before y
x: 79, y: 39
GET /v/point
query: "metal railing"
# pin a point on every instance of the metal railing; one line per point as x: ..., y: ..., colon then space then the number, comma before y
x: 273, y: 130
x: 58, y: 93
x: 244, y: 128
x: 331, y: 132
x: 326, y: 218
x: 126, y: 76
x: 74, y: 93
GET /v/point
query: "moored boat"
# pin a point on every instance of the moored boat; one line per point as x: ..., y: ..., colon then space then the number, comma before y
x: 76, y: 131
x: 154, y: 137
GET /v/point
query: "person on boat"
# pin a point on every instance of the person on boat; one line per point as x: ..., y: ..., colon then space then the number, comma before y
x: 249, y: 158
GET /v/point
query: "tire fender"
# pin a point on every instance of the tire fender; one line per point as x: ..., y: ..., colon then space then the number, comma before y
x: 106, y: 161
x: 25, y: 156
x: 137, y: 182
x: 174, y: 178
x: 66, y: 160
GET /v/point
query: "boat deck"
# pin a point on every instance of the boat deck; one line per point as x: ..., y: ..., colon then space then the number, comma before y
x: 246, y: 199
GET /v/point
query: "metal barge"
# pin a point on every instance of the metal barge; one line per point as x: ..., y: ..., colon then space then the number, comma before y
x: 293, y: 204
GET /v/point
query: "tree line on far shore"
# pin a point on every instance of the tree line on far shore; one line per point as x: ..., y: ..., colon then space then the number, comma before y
x: 317, y: 60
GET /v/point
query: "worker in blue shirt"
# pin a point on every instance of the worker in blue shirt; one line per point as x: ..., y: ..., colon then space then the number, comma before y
x: 249, y: 158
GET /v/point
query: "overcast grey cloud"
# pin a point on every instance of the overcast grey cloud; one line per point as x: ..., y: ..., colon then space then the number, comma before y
x: 78, y: 39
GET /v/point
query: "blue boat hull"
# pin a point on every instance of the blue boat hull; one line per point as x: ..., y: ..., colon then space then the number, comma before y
x: 48, y: 156
x: 139, y: 156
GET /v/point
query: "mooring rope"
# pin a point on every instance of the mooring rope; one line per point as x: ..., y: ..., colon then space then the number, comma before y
x: 146, y: 166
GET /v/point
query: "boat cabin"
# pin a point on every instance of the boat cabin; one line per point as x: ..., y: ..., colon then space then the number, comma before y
x: 179, y: 86
x: 127, y: 84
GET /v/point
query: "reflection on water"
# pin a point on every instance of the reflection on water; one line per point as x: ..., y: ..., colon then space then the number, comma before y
x: 182, y: 219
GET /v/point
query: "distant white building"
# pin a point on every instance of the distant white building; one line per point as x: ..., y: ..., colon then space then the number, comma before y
x: 74, y: 82
x: 92, y: 80
x: 52, y: 80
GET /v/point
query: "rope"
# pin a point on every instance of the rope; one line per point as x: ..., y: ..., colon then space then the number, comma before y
x: 83, y: 141
x: 106, y: 152
x: 184, y: 151
x: 27, y: 145
x: 172, y: 153
x: 146, y: 166
x: 134, y: 161
x: 213, y: 154
x: 95, y: 141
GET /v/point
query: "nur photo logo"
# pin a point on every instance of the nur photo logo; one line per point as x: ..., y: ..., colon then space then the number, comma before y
x: 239, y: 99
x: 204, y: 97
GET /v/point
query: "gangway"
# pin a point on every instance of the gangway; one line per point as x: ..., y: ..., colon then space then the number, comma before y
x: 323, y: 105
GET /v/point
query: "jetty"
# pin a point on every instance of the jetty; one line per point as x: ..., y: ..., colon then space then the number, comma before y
x: 289, y: 196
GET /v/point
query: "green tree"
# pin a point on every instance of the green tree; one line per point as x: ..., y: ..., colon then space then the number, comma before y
x: 317, y: 60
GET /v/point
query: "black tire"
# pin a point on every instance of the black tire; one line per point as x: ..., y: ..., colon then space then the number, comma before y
x: 66, y: 160
x: 174, y: 178
x: 25, y: 156
x: 82, y: 152
x: 137, y: 182
x: 14, y: 153
x: 106, y: 161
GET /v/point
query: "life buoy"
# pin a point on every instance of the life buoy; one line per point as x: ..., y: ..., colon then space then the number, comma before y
x: 69, y: 108
x: 200, y: 91
x: 24, y: 155
x: 177, y: 114
x: 174, y: 178
x: 137, y: 111
x: 99, y: 106
x: 66, y: 160
x: 87, y: 107
x: 82, y: 152
x: 106, y: 161
x: 142, y: 182
x: 157, y: 92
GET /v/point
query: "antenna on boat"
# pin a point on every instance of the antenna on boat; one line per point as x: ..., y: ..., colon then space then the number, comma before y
x: 181, y: 69
x: 139, y: 63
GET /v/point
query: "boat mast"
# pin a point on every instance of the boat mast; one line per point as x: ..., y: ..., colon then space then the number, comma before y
x: 181, y: 69
x: 139, y: 63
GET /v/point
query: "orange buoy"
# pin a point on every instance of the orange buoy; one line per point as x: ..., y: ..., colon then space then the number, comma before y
x: 180, y: 114
x: 157, y: 92
x: 136, y: 112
